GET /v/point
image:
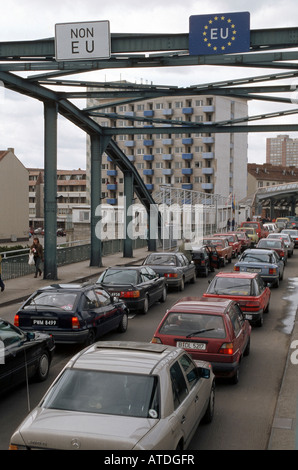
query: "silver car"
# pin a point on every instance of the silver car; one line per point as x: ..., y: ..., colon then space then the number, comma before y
x: 122, y: 395
x: 287, y: 241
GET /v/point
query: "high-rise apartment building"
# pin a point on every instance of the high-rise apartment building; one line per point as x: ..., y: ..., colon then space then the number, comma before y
x: 211, y: 163
x: 282, y: 150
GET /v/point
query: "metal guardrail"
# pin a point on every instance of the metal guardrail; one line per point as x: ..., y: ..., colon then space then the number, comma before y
x: 15, y: 263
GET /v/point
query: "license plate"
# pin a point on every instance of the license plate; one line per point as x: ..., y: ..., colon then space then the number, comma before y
x: 248, y: 317
x: 115, y: 294
x: 44, y: 322
x: 254, y: 270
x: 190, y: 345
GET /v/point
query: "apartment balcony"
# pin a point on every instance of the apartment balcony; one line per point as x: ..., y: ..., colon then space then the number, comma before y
x: 208, y: 140
x: 112, y: 201
x: 148, y: 172
x: 167, y: 112
x: 112, y: 172
x: 188, y: 110
x: 167, y: 172
x: 148, y: 113
x: 112, y: 187
x: 207, y: 186
x: 208, y: 155
x: 207, y: 171
x: 187, y: 141
x: 167, y: 141
x: 188, y: 186
x: 167, y: 156
x: 130, y: 143
x: 187, y: 156
x: 148, y: 158
x: 148, y: 142
x: 131, y: 158
x: 187, y: 171
x: 129, y: 113
x: 209, y: 109
x: 150, y: 187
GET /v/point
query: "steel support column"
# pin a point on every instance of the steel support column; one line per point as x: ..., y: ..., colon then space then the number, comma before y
x: 50, y: 190
x: 98, y: 146
x: 128, y: 193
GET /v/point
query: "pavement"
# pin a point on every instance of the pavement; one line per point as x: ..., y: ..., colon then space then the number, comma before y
x: 284, y: 430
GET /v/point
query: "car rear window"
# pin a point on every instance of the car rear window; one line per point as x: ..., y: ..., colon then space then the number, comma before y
x: 193, y: 324
x: 230, y: 286
x: 92, y: 391
x: 61, y: 300
x: 119, y: 276
x: 167, y: 260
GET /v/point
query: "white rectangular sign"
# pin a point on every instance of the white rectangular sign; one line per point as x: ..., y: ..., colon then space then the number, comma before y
x: 81, y: 41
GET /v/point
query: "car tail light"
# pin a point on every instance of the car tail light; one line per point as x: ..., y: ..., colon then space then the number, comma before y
x: 75, y: 324
x: 170, y: 275
x: 236, y: 268
x: 282, y: 253
x: 16, y: 320
x: 132, y: 294
x: 227, y: 348
x: 272, y: 270
x: 156, y: 340
x: 252, y: 305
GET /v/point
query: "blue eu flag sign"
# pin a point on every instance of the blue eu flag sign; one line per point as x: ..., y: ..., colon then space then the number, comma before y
x: 223, y: 33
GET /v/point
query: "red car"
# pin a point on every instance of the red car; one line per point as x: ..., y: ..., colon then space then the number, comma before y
x: 244, y: 240
x: 233, y: 240
x: 212, y: 330
x: 247, y: 289
x: 277, y: 245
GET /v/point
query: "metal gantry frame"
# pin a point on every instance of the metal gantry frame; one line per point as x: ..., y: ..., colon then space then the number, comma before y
x: 275, y: 49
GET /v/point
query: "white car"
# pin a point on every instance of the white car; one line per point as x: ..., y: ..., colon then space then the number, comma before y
x: 122, y: 395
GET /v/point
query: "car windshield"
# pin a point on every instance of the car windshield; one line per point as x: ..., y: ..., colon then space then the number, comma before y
x: 214, y: 242
x: 63, y: 300
x: 167, y: 260
x: 253, y: 257
x: 230, y: 286
x: 101, y: 392
x: 119, y: 276
x: 250, y: 224
x: 193, y: 324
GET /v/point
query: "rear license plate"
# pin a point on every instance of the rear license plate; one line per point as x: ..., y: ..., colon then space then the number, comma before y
x: 44, y: 322
x: 190, y: 345
x: 115, y: 294
x: 254, y: 270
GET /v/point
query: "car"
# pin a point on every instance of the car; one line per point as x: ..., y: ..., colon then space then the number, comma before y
x: 277, y: 245
x: 174, y: 267
x: 261, y: 231
x: 248, y: 289
x: 293, y: 234
x: 61, y: 232
x: 213, y: 330
x: 271, y: 227
x: 251, y: 233
x: 72, y: 313
x: 222, y: 246
x: 233, y: 240
x: 122, y: 395
x: 244, y: 240
x: 265, y: 262
x: 23, y: 355
x: 287, y: 241
x: 39, y: 231
x: 205, y: 259
x: 138, y: 286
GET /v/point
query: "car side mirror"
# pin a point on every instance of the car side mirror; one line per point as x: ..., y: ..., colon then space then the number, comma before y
x: 204, y: 372
x: 30, y: 335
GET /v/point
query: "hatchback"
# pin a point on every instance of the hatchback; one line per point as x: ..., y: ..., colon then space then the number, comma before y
x: 72, y: 313
x: 124, y: 396
x: 248, y: 289
x: 213, y: 330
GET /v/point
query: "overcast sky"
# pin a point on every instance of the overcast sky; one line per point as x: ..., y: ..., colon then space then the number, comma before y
x: 21, y: 118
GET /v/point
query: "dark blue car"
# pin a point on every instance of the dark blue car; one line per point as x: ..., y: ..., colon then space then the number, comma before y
x: 73, y: 313
x: 265, y: 262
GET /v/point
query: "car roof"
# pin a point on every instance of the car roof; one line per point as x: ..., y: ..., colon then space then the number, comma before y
x: 125, y: 356
x: 238, y: 274
x: 257, y: 250
x: 66, y: 287
x: 205, y: 305
x: 128, y: 268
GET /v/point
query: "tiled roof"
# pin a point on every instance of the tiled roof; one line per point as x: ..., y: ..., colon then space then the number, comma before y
x: 270, y: 172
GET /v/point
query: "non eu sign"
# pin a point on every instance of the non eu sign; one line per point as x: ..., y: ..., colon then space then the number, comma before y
x: 222, y: 33
x: 81, y: 41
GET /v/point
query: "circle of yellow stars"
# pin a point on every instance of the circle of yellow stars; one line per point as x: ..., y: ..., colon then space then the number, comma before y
x: 210, y: 23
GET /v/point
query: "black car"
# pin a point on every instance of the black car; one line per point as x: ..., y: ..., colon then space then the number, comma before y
x: 23, y: 355
x: 206, y: 259
x: 175, y: 267
x: 138, y: 286
x: 73, y: 313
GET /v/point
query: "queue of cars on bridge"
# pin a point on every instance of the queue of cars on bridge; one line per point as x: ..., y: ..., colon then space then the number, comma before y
x: 155, y: 397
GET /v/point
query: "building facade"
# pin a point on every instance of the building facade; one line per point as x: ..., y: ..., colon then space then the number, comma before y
x: 261, y: 176
x: 14, y: 214
x: 282, y: 150
x: 211, y: 163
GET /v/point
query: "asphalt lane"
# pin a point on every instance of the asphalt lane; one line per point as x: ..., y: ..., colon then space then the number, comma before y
x: 243, y: 412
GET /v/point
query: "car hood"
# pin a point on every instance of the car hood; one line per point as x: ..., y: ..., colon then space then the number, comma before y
x: 66, y: 430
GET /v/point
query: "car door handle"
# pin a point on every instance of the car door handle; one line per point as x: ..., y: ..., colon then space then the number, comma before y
x: 196, y: 399
x: 183, y: 419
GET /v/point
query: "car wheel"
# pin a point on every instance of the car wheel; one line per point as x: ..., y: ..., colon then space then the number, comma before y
x: 247, y: 349
x: 276, y: 284
x: 123, y: 324
x: 164, y: 295
x: 90, y: 338
x: 181, y: 287
x: 260, y: 321
x: 43, y: 367
x: 208, y: 416
x: 194, y: 278
x: 235, y: 378
x: 146, y: 305
x: 267, y: 308
x: 206, y: 272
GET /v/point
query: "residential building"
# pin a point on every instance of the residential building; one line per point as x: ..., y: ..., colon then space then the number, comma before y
x: 260, y: 176
x: 212, y: 163
x: 14, y: 214
x: 282, y: 150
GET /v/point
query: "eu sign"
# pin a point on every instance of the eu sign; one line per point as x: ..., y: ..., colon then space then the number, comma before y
x: 81, y: 41
x: 223, y: 33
